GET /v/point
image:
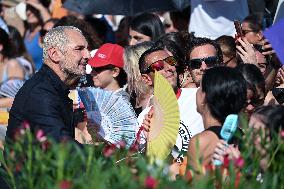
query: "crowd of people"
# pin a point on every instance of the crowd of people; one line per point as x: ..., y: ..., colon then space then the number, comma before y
x: 214, y: 72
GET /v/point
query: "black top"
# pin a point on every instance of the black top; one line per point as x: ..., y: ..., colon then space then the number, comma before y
x: 43, y: 102
x: 234, y: 140
x: 216, y: 130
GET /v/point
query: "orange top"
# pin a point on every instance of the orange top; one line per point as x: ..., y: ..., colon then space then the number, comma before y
x: 58, y: 11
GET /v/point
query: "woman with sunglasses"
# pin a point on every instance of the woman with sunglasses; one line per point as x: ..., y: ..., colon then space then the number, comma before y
x: 229, y: 50
x: 255, y: 82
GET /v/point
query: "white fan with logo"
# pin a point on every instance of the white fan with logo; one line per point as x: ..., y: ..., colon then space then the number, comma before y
x: 112, y: 113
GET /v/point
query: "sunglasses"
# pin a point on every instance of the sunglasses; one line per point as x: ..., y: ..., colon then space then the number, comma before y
x: 197, y: 62
x: 97, y: 70
x: 256, y: 102
x: 226, y: 62
x: 42, y: 32
x: 160, y: 64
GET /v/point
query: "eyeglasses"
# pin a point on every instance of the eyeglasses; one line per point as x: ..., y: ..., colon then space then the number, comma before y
x: 225, y: 63
x: 197, y: 62
x: 247, y: 31
x: 160, y: 64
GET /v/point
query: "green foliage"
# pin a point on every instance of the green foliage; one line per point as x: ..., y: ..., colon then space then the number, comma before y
x: 36, y: 162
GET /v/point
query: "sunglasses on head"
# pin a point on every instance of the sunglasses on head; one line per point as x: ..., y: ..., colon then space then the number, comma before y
x: 160, y: 64
x: 197, y: 62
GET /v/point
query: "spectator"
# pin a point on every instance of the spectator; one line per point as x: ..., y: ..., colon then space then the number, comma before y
x: 65, y: 56
x: 145, y: 27
x: 222, y: 92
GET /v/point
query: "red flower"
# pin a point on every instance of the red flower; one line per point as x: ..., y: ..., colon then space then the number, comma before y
x: 65, y: 184
x: 239, y: 162
x: 109, y: 150
x: 26, y: 124
x: 150, y: 182
x: 18, y: 167
x: 45, y: 145
x: 134, y: 147
x: 226, y: 162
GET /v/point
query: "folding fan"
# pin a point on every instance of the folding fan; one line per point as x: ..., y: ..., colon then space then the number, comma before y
x: 112, y: 113
x: 10, y: 87
x: 165, y: 124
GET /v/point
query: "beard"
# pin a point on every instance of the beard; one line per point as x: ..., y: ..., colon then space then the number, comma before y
x: 71, y: 69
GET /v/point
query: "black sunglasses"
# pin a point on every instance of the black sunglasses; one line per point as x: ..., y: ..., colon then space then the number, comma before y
x: 197, y: 62
x: 97, y: 70
x: 42, y: 32
x: 256, y: 102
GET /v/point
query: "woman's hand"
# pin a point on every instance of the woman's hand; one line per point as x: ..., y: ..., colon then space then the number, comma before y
x: 222, y: 149
x: 246, y: 51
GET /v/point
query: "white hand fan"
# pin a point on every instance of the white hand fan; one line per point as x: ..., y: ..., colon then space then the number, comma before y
x: 113, y: 114
x: 10, y: 87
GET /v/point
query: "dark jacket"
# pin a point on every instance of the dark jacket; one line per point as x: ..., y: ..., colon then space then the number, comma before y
x: 43, y: 102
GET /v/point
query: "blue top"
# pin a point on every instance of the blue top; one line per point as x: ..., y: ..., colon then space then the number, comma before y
x: 34, y: 50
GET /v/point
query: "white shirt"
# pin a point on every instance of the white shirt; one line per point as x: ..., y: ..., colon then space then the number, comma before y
x: 190, y: 121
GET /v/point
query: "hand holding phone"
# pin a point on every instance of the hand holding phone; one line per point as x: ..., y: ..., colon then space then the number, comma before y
x: 238, y: 28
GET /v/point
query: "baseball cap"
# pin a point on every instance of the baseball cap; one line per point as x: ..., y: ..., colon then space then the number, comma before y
x: 108, y: 54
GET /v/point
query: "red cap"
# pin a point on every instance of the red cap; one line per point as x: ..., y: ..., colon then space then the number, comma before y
x: 108, y: 54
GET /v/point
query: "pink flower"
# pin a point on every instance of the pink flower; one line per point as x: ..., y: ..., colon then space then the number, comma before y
x: 40, y: 136
x: 282, y: 134
x: 109, y: 150
x: 121, y: 144
x: 239, y: 162
x: 150, y: 182
x: 65, y: 184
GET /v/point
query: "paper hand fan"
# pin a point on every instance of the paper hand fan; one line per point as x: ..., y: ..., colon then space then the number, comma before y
x: 113, y: 115
x: 10, y: 87
x: 165, y: 124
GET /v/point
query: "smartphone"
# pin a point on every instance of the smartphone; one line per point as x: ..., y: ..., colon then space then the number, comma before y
x: 238, y: 28
x: 278, y: 94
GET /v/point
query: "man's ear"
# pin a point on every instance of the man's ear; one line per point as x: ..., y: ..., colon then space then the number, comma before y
x: 147, y: 79
x: 54, y: 54
x: 1, y: 47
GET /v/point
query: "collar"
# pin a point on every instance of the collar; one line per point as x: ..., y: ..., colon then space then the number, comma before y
x: 59, y: 85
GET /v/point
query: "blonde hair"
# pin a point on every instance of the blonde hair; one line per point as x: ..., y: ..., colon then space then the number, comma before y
x: 131, y: 58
